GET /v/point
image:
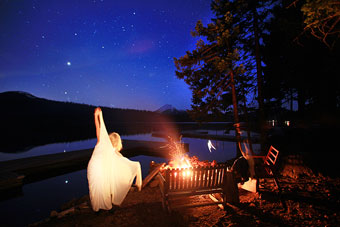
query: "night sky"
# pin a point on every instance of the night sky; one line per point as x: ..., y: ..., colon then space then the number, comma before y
x: 103, y: 52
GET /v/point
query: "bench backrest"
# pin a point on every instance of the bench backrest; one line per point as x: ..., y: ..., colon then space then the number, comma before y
x: 271, y: 156
x: 195, y: 178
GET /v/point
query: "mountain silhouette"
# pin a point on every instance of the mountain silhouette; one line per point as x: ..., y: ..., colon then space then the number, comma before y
x: 27, y: 120
x: 167, y: 108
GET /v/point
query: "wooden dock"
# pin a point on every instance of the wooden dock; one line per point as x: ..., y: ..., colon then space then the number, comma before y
x: 231, y: 138
x: 15, y: 173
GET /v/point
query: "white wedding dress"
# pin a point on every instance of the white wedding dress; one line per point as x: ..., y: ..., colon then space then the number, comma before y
x: 109, y: 174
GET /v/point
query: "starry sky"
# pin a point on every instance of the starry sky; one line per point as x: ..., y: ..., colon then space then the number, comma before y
x: 115, y: 53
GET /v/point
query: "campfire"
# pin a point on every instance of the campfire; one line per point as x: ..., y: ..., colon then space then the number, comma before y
x: 188, y: 176
x: 180, y: 160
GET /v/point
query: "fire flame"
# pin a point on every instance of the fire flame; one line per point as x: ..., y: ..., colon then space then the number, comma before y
x: 176, y: 151
x: 182, y: 161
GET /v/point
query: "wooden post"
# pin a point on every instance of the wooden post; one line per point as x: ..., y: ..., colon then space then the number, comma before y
x: 230, y: 188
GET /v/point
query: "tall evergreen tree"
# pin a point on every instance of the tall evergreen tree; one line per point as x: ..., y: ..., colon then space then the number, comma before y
x: 253, y: 15
x: 306, y: 70
x: 212, y: 70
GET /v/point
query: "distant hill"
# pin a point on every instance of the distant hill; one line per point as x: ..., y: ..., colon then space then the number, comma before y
x: 167, y: 108
x: 22, y: 103
x: 172, y: 113
x: 27, y: 120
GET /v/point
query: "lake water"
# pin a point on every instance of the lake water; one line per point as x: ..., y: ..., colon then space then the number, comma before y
x: 40, y: 198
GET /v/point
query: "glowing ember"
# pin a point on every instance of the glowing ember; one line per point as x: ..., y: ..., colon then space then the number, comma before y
x: 187, y: 162
x: 182, y: 161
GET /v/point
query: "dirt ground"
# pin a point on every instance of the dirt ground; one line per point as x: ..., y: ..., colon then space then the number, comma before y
x: 306, y: 200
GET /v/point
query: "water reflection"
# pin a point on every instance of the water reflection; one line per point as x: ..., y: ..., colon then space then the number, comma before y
x: 40, y: 198
x: 50, y: 149
x: 225, y: 150
x: 67, y: 146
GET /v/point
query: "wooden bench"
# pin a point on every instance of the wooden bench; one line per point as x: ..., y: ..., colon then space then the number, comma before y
x: 266, y: 167
x: 175, y: 183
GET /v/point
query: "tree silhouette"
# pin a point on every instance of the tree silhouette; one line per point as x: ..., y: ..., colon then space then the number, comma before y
x: 305, y: 71
x: 321, y: 19
x: 213, y: 70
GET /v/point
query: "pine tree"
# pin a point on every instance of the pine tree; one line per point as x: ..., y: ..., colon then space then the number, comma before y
x: 321, y: 19
x: 213, y: 71
x: 305, y: 71
x: 252, y: 16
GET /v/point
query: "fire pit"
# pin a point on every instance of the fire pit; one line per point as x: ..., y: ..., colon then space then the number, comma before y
x: 187, y: 176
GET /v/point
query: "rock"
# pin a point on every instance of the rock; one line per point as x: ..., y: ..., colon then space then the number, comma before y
x: 54, y: 213
x: 192, y: 218
x: 296, y: 171
x: 84, y: 206
x: 66, y: 212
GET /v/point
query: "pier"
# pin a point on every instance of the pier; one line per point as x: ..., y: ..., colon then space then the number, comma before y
x: 226, y: 137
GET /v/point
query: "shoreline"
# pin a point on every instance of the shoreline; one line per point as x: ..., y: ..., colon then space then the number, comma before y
x: 15, y: 173
x: 310, y: 199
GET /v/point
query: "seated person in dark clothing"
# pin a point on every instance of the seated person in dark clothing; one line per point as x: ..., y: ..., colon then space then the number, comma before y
x: 241, y: 169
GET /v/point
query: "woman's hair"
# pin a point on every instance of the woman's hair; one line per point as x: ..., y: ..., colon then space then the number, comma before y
x: 116, y: 141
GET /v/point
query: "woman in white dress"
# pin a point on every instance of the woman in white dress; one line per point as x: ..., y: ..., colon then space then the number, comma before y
x: 109, y: 174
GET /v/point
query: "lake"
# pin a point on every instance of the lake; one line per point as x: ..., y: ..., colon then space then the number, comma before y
x: 38, y: 199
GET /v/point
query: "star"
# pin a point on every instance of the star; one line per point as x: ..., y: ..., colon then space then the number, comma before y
x: 128, y: 45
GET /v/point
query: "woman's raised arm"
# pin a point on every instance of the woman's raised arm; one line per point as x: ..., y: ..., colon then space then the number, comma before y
x: 97, y: 112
